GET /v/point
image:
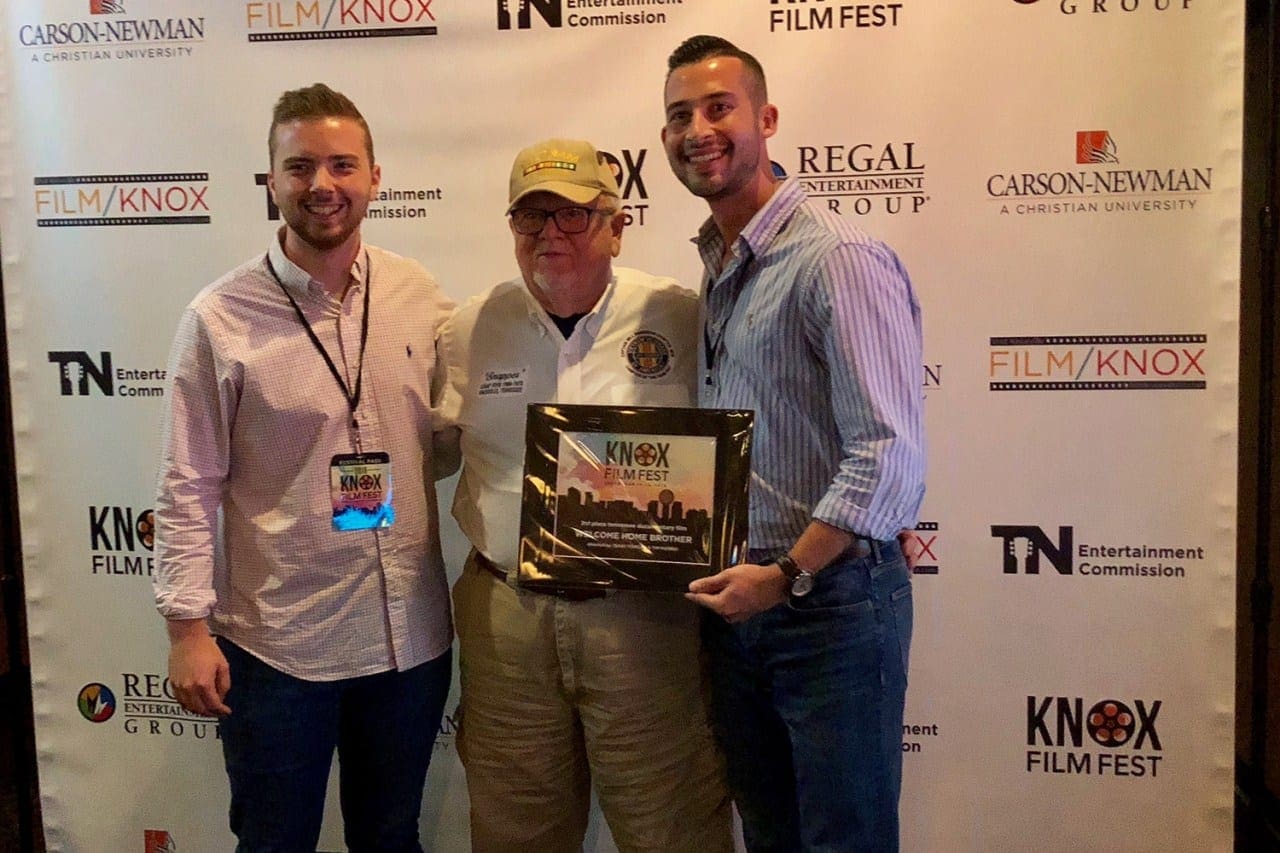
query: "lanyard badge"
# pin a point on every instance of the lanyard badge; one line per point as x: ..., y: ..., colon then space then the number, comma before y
x: 360, y: 487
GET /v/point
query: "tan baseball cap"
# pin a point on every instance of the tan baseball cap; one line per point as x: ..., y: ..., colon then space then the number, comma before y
x: 570, y: 168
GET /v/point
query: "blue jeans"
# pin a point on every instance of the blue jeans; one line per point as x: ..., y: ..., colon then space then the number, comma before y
x: 278, y: 744
x: 807, y: 703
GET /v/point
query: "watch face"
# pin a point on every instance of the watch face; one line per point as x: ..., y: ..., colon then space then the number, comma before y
x: 802, y: 584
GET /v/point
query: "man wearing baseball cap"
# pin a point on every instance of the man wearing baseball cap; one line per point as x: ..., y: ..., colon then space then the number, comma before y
x: 567, y: 691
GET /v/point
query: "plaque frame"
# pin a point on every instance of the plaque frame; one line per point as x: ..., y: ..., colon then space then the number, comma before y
x: 573, y: 542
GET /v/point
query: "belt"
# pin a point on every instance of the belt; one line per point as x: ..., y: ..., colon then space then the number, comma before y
x: 566, y: 594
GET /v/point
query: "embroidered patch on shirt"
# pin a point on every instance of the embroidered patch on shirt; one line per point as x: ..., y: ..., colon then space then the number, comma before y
x: 648, y: 354
x: 502, y: 382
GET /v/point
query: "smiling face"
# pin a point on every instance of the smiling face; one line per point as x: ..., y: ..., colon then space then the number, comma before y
x: 567, y: 273
x: 716, y: 128
x: 322, y: 180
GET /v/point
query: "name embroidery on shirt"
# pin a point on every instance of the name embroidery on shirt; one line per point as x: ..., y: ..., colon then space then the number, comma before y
x: 502, y: 382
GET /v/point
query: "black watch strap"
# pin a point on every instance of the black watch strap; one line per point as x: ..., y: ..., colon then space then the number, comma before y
x: 788, y: 565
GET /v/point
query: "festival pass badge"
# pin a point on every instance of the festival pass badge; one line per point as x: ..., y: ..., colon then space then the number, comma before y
x: 632, y: 498
x: 360, y: 486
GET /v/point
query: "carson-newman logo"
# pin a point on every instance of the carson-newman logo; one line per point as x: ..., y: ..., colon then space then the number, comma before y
x: 158, y: 841
x: 309, y: 20
x: 107, y: 35
x: 1126, y: 731
x: 160, y: 198
x: 1101, y: 189
x: 1122, y: 561
x: 821, y: 15
x: 1170, y: 362
x: 552, y: 13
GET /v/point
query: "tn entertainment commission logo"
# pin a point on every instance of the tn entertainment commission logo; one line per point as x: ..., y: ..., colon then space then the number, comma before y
x: 1162, y: 362
x: 310, y: 20
x: 1025, y: 546
x: 79, y: 374
x: 143, y: 198
x: 519, y: 14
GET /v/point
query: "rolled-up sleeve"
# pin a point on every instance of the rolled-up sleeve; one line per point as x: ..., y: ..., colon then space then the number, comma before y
x: 864, y: 319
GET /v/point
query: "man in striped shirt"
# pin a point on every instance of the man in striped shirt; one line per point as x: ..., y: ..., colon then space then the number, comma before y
x: 815, y: 326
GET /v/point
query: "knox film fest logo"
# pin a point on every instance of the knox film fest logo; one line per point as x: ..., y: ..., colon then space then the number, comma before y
x: 82, y: 375
x: 1075, y: 736
x: 145, y: 198
x: 799, y: 16
x: 578, y: 14
x: 1113, y: 183
x: 121, y: 541
x: 109, y: 33
x: 1162, y: 362
x: 311, y: 20
x: 1028, y: 549
x: 862, y: 178
x: 1103, y: 7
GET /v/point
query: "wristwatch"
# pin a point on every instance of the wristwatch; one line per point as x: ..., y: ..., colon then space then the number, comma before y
x: 801, y: 581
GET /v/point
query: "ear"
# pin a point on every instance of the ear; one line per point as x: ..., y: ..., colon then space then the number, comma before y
x: 663, y: 134
x: 271, y: 183
x: 616, y: 225
x: 376, y: 172
x: 768, y: 120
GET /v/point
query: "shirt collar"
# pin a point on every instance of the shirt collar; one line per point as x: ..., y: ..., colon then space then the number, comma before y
x: 762, y: 228
x: 299, y: 281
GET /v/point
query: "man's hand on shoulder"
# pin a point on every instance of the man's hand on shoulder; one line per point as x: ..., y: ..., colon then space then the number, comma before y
x: 198, y: 671
x: 741, y: 591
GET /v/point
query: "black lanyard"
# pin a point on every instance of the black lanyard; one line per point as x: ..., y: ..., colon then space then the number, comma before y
x: 353, y: 399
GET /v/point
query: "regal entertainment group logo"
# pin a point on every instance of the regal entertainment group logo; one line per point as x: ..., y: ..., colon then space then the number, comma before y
x: 1025, y: 546
x: 121, y: 540
x: 1108, y: 187
x: 310, y: 20
x: 146, y: 706
x: 519, y: 14
x: 108, y: 34
x: 1102, y: 7
x: 80, y: 375
x: 151, y: 198
x: 864, y: 177
x: 798, y: 16
x: 1106, y: 737
x: 1168, y: 362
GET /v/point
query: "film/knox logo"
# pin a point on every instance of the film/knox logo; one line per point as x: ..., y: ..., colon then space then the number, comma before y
x: 311, y: 20
x: 1161, y: 362
x: 146, y: 198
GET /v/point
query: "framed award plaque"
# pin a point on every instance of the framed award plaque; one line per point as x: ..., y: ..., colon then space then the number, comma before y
x: 632, y: 497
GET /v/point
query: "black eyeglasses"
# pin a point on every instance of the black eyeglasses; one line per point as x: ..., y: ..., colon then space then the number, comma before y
x: 570, y: 220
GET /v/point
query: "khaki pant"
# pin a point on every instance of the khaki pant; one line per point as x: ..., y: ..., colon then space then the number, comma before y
x: 558, y: 696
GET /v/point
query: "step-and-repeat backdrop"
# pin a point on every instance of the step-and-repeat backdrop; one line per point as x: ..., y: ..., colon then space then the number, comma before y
x: 1061, y: 177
